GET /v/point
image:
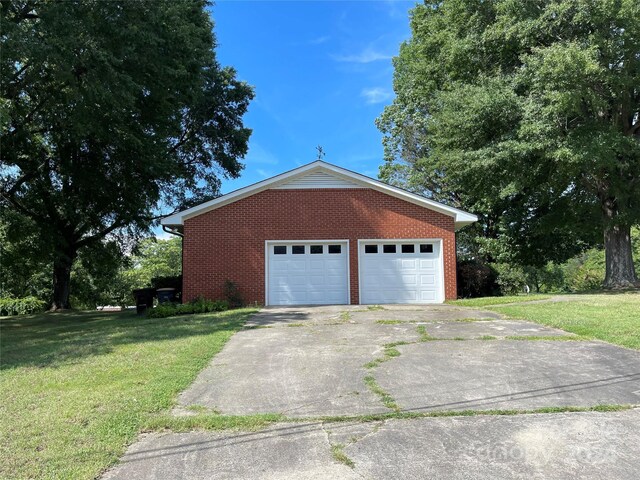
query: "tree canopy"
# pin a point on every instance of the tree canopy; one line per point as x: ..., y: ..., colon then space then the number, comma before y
x: 526, y: 112
x: 111, y: 112
x: 155, y: 258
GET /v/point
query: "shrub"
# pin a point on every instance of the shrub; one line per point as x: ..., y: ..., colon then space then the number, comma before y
x: 511, y: 278
x: 232, y: 294
x: 585, y: 272
x: 21, y: 306
x: 221, y: 305
x: 476, y: 279
x: 163, y: 310
x: 200, y: 305
x: 185, y: 309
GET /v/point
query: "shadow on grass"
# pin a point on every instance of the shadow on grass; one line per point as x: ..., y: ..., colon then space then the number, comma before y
x: 53, y: 339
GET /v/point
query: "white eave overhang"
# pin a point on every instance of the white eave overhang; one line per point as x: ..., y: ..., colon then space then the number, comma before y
x: 461, y: 218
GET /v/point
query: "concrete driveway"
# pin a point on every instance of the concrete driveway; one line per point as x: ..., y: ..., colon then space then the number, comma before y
x: 348, y: 362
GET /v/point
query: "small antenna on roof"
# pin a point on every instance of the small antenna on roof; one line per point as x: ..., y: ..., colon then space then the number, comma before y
x: 320, y: 152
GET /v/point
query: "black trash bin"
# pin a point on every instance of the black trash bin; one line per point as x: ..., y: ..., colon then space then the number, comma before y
x: 166, y: 295
x: 144, y: 299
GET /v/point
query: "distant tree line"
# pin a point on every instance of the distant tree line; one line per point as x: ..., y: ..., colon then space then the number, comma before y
x: 101, y: 276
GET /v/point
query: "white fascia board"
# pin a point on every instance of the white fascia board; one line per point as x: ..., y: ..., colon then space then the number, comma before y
x: 461, y: 218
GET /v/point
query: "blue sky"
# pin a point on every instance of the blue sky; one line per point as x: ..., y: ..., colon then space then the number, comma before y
x: 322, y: 73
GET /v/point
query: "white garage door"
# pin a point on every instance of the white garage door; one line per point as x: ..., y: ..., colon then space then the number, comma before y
x: 312, y: 273
x: 396, y: 271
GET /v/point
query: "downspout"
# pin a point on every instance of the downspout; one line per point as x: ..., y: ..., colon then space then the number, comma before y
x: 455, y: 249
x: 172, y: 232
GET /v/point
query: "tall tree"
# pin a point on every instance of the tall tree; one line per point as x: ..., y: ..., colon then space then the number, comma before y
x: 528, y: 112
x: 110, y: 111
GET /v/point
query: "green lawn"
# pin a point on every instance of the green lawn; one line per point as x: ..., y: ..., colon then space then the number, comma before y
x: 614, y: 318
x: 486, y: 301
x: 77, y: 388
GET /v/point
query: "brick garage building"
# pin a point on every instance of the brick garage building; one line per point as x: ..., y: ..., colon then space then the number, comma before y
x: 320, y: 234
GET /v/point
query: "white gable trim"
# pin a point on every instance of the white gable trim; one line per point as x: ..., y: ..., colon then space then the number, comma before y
x: 461, y: 218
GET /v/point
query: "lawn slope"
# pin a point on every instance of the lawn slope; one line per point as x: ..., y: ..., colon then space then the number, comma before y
x: 614, y: 318
x: 77, y: 388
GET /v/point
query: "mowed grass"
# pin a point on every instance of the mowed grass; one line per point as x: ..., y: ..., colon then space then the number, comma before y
x: 487, y: 301
x: 614, y: 318
x: 77, y: 388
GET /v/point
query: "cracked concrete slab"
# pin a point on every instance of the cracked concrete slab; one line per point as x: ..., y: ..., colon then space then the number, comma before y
x: 331, y: 314
x: 566, y: 446
x: 304, y: 371
x: 317, y: 369
x: 510, y: 374
x: 436, y: 313
x: 498, y: 329
x: 562, y: 446
x: 282, y: 316
x: 288, y: 451
x: 346, y: 433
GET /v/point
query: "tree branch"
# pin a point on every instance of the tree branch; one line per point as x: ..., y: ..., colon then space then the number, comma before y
x: 21, y: 71
x: 24, y: 178
x: 21, y: 126
x: 183, y: 139
x: 24, y: 13
x: 10, y: 195
x: 102, y: 233
x: 21, y: 208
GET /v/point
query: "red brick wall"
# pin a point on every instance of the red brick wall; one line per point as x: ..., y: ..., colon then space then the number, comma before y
x: 229, y: 242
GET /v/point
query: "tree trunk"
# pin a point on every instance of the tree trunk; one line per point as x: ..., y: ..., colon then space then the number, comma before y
x: 62, y: 280
x: 620, y: 272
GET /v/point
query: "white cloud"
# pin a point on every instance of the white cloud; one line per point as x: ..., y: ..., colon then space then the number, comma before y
x: 367, y: 55
x: 259, y: 155
x: 376, y: 95
x: 397, y: 8
x: 360, y: 157
x: 264, y: 173
x: 320, y: 40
